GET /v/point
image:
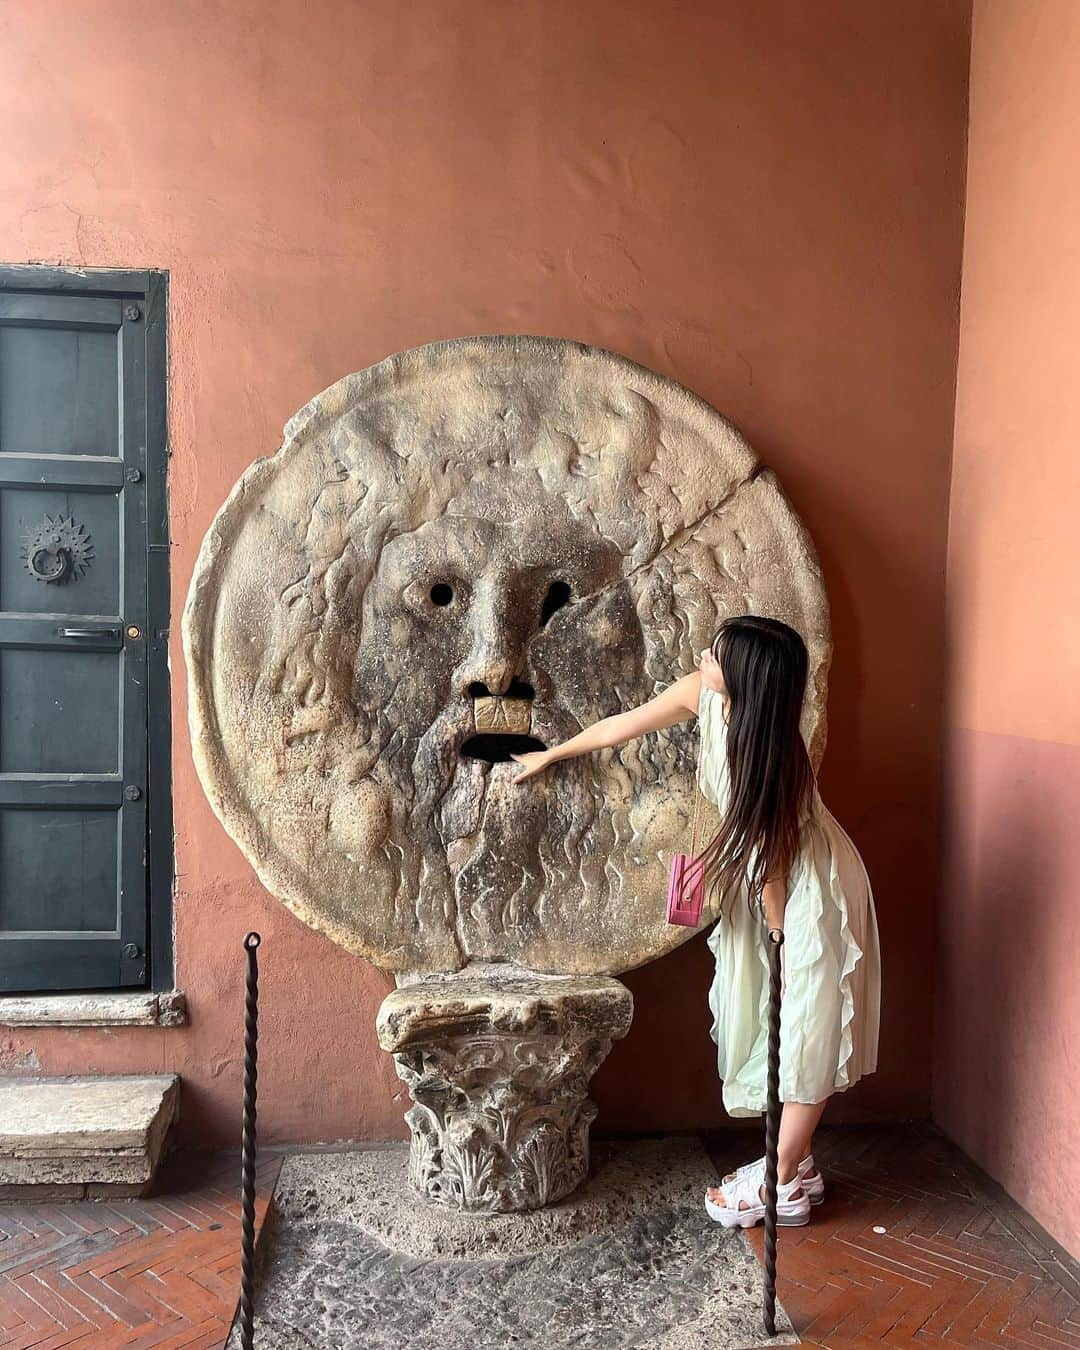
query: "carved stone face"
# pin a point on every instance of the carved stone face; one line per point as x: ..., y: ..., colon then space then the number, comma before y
x: 472, y: 549
x: 481, y: 638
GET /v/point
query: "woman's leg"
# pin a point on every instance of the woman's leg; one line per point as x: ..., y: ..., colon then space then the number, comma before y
x: 798, y: 1121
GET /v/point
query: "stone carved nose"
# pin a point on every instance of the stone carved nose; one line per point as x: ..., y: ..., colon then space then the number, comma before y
x: 496, y: 651
x: 490, y: 670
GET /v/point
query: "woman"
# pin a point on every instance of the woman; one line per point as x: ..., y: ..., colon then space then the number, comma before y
x: 780, y: 859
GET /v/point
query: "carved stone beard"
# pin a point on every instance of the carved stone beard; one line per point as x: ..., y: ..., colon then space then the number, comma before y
x: 509, y: 853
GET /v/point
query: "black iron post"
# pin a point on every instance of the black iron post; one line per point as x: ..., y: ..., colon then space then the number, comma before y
x: 772, y: 1128
x: 247, y: 1151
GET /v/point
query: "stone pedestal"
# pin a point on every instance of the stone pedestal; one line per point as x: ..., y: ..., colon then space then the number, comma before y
x: 498, y: 1068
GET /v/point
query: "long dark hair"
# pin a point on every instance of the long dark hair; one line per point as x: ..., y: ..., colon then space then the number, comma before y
x: 764, y: 664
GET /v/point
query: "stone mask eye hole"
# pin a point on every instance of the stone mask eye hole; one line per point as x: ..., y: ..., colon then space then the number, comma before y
x: 558, y: 595
x: 442, y: 593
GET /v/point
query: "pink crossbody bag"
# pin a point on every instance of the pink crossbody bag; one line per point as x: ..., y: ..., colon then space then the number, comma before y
x: 686, y: 880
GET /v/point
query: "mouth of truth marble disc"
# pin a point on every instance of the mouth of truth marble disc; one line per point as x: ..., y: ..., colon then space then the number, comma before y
x: 474, y: 548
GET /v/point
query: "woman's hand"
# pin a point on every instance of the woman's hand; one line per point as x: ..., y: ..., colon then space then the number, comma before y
x: 532, y: 762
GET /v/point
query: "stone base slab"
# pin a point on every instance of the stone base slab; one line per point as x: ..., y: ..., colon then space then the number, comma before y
x: 630, y: 1261
x: 75, y: 1137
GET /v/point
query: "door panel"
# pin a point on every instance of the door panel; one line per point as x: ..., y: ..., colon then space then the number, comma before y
x: 96, y: 516
x: 37, y: 850
x: 73, y: 666
x: 45, y: 697
x: 58, y: 391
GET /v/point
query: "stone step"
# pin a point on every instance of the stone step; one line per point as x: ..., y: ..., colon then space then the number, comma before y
x: 69, y: 1138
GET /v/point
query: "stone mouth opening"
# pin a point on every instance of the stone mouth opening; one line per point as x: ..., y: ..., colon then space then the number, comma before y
x: 497, y: 747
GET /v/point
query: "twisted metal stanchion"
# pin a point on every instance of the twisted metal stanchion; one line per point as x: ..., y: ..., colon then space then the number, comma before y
x: 772, y: 1128
x: 247, y: 1151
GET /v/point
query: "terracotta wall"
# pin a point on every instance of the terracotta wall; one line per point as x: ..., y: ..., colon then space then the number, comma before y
x: 761, y: 200
x: 1008, y: 1074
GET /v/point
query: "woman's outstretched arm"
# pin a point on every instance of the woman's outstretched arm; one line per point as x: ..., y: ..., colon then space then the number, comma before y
x: 675, y: 704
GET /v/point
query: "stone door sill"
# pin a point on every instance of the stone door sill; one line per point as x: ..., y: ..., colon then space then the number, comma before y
x: 138, y: 1009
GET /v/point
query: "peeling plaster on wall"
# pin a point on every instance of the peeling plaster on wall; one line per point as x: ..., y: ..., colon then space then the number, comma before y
x: 14, y: 1059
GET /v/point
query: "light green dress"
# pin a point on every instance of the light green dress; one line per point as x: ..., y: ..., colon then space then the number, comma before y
x: 830, y: 1009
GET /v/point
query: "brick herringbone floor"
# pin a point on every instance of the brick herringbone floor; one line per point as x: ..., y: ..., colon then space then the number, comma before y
x: 957, y: 1263
x: 162, y: 1272
x: 912, y: 1246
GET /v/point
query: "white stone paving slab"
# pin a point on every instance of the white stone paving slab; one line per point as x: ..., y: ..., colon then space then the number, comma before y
x: 84, y: 1131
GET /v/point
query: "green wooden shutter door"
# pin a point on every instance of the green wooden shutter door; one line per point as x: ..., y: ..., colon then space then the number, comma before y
x: 73, y: 642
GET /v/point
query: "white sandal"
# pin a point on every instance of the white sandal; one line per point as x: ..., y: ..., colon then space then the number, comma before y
x: 792, y: 1204
x: 813, y: 1181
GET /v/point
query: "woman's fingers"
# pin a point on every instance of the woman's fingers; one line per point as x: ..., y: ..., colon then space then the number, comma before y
x: 533, y: 761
